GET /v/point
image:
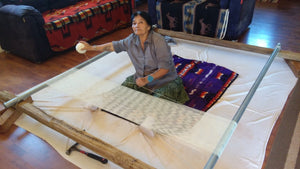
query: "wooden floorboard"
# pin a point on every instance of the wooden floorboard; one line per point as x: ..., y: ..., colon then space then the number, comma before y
x: 272, y: 23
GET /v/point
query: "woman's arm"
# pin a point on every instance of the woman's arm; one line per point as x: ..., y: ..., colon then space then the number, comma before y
x: 142, y: 81
x: 104, y: 47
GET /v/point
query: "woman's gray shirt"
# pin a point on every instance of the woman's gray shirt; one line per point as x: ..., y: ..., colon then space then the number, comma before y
x: 156, y: 55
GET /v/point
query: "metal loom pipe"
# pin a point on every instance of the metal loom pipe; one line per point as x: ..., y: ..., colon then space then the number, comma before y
x: 34, y: 89
x: 232, y: 126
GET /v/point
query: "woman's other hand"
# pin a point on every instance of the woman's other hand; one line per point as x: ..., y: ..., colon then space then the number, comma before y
x: 141, y: 81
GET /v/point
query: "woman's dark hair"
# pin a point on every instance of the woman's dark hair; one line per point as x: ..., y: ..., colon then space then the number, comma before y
x: 144, y: 15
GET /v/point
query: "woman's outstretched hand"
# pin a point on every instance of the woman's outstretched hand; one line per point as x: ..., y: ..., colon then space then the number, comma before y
x: 87, y: 46
x: 100, y: 48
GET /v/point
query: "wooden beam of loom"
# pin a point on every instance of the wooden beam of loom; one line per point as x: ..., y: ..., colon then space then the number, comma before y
x: 293, y: 58
x: 108, y: 151
x: 230, y: 44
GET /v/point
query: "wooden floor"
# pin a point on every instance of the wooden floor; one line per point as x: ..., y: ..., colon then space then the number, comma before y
x: 20, y: 149
x: 275, y: 23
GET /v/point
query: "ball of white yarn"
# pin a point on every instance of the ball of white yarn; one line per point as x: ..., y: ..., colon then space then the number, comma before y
x: 79, y: 47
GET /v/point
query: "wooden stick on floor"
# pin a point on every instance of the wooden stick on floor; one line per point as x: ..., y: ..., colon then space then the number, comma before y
x: 108, y: 151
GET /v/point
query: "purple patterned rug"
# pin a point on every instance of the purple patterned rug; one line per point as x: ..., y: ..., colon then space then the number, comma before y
x: 204, y: 82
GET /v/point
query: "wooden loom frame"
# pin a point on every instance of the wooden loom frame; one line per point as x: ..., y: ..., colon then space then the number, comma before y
x: 111, y: 153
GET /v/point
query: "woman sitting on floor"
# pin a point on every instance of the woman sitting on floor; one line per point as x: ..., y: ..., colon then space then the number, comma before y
x: 152, y: 59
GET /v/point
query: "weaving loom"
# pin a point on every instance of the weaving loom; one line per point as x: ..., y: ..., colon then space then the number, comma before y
x: 183, y: 137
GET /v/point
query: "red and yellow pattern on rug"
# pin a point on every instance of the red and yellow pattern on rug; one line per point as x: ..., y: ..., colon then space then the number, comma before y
x: 84, y: 20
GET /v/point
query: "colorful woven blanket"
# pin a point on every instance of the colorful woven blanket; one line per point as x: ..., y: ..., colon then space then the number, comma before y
x: 204, y: 82
x: 55, y: 19
x: 84, y: 20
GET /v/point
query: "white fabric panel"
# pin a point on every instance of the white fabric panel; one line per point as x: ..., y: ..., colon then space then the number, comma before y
x: 246, y: 148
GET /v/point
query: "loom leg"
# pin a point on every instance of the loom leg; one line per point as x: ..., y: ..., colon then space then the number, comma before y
x: 8, y: 116
x: 2, y: 109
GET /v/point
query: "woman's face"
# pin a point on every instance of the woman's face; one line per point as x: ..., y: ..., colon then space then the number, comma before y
x: 140, y: 26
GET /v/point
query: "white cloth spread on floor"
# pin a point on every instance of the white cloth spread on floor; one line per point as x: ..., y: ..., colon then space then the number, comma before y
x: 70, y: 98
